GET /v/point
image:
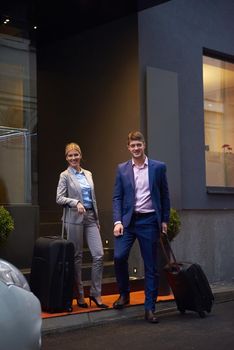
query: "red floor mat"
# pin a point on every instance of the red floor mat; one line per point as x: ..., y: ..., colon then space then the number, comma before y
x: 137, y: 298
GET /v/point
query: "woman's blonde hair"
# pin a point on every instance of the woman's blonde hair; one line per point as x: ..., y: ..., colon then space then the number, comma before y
x: 72, y: 146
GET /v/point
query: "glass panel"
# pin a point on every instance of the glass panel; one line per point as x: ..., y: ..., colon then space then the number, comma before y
x: 18, y: 121
x: 15, y: 156
x: 218, y: 81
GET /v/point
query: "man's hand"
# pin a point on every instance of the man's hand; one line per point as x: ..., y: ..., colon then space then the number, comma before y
x: 118, y: 230
x: 164, y: 227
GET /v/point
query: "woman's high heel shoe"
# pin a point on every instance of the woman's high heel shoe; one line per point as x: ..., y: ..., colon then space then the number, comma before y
x: 84, y: 305
x: 101, y: 306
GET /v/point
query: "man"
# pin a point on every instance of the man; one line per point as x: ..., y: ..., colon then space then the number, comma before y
x: 141, y: 209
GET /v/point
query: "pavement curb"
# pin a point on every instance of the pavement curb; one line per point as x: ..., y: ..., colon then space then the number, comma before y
x: 93, y: 318
x: 222, y: 293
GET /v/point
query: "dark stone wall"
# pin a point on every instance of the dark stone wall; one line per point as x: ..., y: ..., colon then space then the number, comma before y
x: 88, y: 92
x: 18, y: 249
x: 172, y: 37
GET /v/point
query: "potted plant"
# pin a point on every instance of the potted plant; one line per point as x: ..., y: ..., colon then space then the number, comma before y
x: 174, y: 224
x: 6, y: 224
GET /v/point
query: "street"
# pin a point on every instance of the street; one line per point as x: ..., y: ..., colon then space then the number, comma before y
x: 174, y: 332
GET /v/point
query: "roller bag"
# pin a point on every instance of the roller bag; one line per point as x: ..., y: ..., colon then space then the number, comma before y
x: 52, y: 273
x: 189, y: 284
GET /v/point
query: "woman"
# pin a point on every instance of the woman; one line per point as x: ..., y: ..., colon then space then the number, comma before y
x: 75, y: 192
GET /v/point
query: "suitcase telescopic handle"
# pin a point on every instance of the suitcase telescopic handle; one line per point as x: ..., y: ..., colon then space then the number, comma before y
x: 63, y: 221
x: 169, y: 262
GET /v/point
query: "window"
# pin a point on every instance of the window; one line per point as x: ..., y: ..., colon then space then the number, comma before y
x: 218, y: 83
x: 18, y: 121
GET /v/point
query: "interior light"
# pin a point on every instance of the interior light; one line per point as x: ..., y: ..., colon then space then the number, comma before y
x: 135, y: 270
x: 107, y: 241
x: 34, y: 27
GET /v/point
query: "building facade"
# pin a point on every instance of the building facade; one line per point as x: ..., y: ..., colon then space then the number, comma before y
x: 149, y: 71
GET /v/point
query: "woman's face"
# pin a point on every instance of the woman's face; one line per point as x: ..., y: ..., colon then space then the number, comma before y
x: 73, y: 158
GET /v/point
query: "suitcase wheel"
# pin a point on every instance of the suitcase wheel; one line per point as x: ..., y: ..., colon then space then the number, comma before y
x: 182, y: 311
x: 202, y: 314
x: 69, y: 309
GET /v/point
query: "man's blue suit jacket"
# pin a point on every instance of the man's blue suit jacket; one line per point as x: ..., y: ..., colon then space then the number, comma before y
x: 124, y: 192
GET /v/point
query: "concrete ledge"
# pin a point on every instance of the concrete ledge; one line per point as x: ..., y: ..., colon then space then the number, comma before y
x: 222, y: 293
x: 89, y: 319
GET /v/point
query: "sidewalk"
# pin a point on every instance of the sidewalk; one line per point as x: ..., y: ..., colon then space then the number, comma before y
x: 63, y: 322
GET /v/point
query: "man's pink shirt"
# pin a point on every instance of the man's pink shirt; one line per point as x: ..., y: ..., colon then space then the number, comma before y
x: 143, y: 203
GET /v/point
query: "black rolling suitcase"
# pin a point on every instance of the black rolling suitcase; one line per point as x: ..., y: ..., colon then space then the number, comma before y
x: 52, y: 273
x: 189, y: 285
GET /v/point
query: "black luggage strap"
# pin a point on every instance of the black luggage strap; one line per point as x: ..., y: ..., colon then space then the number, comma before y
x: 169, y: 262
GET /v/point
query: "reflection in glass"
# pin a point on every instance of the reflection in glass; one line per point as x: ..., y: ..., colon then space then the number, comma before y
x: 18, y: 121
x: 218, y: 81
x: 15, y: 158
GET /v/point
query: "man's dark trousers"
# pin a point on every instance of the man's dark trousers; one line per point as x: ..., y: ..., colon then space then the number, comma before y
x: 145, y: 228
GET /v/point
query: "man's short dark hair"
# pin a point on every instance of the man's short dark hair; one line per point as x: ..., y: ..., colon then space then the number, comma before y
x: 135, y: 136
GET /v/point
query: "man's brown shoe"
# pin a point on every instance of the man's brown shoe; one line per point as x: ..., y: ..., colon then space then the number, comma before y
x: 150, y: 316
x: 121, y: 302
